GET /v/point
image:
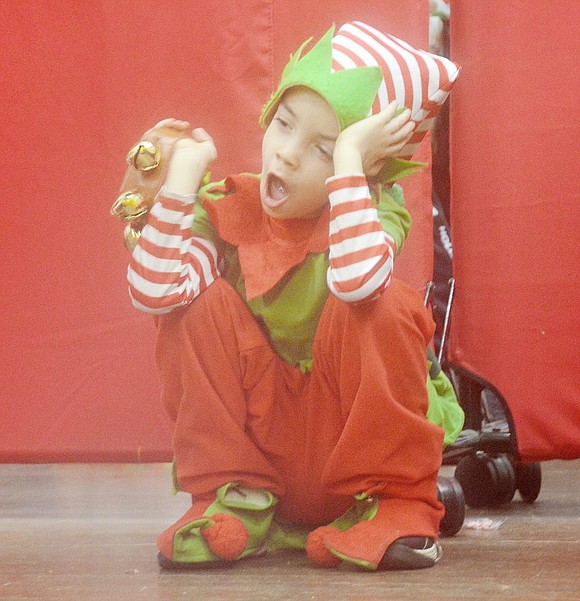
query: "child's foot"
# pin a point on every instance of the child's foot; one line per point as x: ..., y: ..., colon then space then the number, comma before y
x: 232, y: 525
x: 411, y: 553
x: 369, y: 536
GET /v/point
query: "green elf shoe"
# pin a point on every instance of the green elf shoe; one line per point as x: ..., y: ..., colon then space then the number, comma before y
x: 285, y: 536
x: 230, y: 526
x: 378, y: 533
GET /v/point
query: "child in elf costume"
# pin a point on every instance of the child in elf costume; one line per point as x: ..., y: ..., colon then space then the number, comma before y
x: 291, y: 361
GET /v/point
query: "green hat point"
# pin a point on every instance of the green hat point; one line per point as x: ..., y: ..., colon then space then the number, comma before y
x: 350, y: 92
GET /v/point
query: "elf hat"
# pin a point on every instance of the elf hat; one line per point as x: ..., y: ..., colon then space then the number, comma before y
x: 360, y: 70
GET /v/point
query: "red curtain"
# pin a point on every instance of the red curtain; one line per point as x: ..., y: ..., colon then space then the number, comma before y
x: 515, y: 214
x: 79, y: 83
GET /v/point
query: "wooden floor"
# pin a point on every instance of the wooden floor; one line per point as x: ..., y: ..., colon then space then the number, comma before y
x: 87, y: 532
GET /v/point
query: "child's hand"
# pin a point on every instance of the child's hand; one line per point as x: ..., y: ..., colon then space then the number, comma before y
x: 180, y: 126
x: 190, y: 158
x: 364, y: 146
x: 198, y: 147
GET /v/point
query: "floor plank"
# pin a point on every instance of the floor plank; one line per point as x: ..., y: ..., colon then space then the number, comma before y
x: 87, y: 532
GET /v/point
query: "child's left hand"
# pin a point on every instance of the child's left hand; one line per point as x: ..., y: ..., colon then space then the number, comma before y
x: 365, y: 145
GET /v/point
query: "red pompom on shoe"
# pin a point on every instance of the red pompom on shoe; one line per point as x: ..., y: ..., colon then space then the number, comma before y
x: 227, y: 537
x: 317, y: 551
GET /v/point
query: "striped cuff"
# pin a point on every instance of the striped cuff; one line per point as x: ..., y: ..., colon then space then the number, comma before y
x: 336, y: 182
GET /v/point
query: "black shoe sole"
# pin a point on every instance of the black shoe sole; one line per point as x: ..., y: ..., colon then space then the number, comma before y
x: 401, y: 557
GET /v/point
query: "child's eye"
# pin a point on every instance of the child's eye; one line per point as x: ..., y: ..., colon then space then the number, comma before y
x: 281, y: 122
x: 323, y: 151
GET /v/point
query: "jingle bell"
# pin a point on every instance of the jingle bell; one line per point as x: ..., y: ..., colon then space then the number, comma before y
x: 129, y: 206
x: 144, y: 156
x: 130, y: 237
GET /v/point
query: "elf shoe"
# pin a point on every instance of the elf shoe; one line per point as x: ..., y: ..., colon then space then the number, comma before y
x: 370, y: 535
x: 232, y: 525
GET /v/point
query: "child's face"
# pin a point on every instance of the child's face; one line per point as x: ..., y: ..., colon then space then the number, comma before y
x: 297, y: 154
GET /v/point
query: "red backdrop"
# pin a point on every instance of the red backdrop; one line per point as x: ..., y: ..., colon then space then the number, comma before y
x: 79, y: 82
x: 516, y: 213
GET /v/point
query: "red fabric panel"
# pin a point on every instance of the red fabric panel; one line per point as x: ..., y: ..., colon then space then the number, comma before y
x: 515, y: 213
x: 79, y: 83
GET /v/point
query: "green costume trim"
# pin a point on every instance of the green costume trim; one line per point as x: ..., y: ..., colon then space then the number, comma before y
x: 363, y: 509
x: 395, y: 169
x: 285, y: 536
x: 291, y: 324
x: 189, y: 545
x: 444, y: 409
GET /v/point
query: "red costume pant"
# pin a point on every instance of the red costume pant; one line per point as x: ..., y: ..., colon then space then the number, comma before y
x: 355, y: 423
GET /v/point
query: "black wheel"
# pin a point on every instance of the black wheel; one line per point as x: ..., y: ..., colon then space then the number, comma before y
x: 486, y: 481
x: 506, y: 479
x: 528, y: 480
x: 451, y: 495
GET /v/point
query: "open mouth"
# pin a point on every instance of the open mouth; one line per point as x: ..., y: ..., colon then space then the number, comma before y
x: 275, y: 192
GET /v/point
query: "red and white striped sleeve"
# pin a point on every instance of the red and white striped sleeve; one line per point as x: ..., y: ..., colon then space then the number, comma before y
x: 170, y: 267
x: 361, y: 253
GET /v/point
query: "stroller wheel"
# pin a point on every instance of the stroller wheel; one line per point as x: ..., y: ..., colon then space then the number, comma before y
x: 506, y: 479
x: 486, y: 481
x: 451, y: 495
x: 528, y: 480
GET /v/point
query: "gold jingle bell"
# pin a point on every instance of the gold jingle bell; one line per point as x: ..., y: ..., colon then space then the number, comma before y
x: 131, y: 237
x: 129, y: 206
x: 144, y: 156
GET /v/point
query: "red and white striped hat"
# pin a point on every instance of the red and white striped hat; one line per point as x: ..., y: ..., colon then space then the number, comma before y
x: 416, y: 79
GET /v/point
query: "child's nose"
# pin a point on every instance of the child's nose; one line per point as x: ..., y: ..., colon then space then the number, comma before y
x: 289, y: 153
